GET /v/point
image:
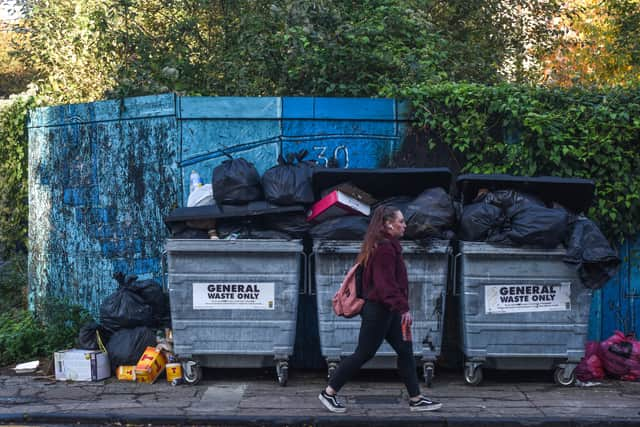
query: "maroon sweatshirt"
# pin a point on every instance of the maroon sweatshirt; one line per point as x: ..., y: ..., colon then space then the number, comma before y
x: 385, y: 277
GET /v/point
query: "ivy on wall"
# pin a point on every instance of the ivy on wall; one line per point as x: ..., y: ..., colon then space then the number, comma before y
x: 536, y: 131
x: 14, y: 208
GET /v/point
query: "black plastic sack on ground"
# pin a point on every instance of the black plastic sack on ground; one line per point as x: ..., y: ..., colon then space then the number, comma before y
x: 152, y: 293
x: 479, y: 221
x: 341, y: 228
x: 125, y: 308
x: 295, y: 226
x: 430, y: 214
x: 125, y: 347
x: 530, y: 224
x: 88, y: 336
x: 591, y: 253
x: 289, y: 183
x: 236, y: 182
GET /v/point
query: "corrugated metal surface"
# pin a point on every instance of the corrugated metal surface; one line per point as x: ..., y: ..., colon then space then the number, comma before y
x: 617, y: 305
x: 225, y: 337
x: 427, y: 269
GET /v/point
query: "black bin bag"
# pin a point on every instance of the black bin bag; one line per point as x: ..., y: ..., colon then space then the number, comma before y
x: 88, y: 336
x: 294, y: 225
x: 591, y: 253
x: 530, y: 224
x: 479, y: 221
x: 430, y: 214
x: 125, y: 308
x: 125, y: 347
x: 341, y: 228
x: 236, y: 182
x: 153, y: 295
x: 289, y: 183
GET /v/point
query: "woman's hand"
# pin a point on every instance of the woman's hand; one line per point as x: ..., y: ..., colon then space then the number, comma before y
x: 406, y: 317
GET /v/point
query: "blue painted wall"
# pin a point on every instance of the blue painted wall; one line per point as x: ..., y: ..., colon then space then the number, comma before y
x: 617, y: 305
x: 103, y: 175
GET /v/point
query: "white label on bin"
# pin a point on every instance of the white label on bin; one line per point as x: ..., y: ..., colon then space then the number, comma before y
x: 527, y: 298
x: 228, y: 296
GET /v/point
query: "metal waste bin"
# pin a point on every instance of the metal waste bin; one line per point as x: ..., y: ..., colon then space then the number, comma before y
x: 522, y: 307
x: 427, y: 268
x: 234, y: 302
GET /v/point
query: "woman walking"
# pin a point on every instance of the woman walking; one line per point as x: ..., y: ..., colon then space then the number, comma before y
x: 386, y: 309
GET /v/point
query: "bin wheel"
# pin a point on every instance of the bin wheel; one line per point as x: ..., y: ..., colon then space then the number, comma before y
x: 428, y: 369
x: 282, y: 370
x: 473, y: 375
x: 331, y: 369
x: 192, y: 372
x: 558, y: 377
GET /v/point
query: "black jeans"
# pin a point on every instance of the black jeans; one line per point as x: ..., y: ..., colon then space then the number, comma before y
x: 378, y: 324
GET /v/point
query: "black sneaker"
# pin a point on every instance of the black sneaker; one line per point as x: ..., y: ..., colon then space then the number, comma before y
x: 331, y: 402
x: 424, y: 404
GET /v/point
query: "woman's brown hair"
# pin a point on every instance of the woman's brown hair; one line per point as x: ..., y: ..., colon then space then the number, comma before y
x: 376, y: 231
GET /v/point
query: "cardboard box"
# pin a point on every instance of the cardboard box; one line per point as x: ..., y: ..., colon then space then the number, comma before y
x: 126, y: 373
x: 336, y: 204
x: 150, y: 365
x: 81, y: 365
x: 352, y: 191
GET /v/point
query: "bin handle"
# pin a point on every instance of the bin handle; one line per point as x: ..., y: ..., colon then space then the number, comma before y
x: 163, y: 271
x: 305, y: 267
x: 311, y: 261
x: 455, y: 274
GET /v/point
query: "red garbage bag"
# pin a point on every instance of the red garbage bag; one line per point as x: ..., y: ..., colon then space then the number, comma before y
x: 620, y: 355
x: 590, y: 367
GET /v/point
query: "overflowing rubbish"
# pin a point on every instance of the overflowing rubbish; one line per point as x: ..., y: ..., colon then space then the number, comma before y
x: 150, y: 365
x: 289, y: 183
x: 540, y: 212
x: 92, y: 336
x: 591, y: 253
x: 236, y: 182
x: 341, y: 228
x: 81, y: 365
x: 616, y: 357
x: 125, y: 308
x: 126, y: 373
x: 513, y: 218
x: 126, y: 345
x: 431, y: 214
x: 201, y: 196
x: 27, y: 367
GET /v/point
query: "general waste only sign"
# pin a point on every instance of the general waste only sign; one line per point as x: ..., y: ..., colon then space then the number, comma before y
x: 527, y: 298
x: 226, y: 296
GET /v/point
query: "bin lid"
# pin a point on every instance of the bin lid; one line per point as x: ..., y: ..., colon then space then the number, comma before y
x: 255, y: 208
x: 575, y: 194
x: 383, y: 183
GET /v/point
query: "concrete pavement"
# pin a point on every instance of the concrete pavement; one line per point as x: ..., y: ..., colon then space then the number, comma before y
x: 253, y: 397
